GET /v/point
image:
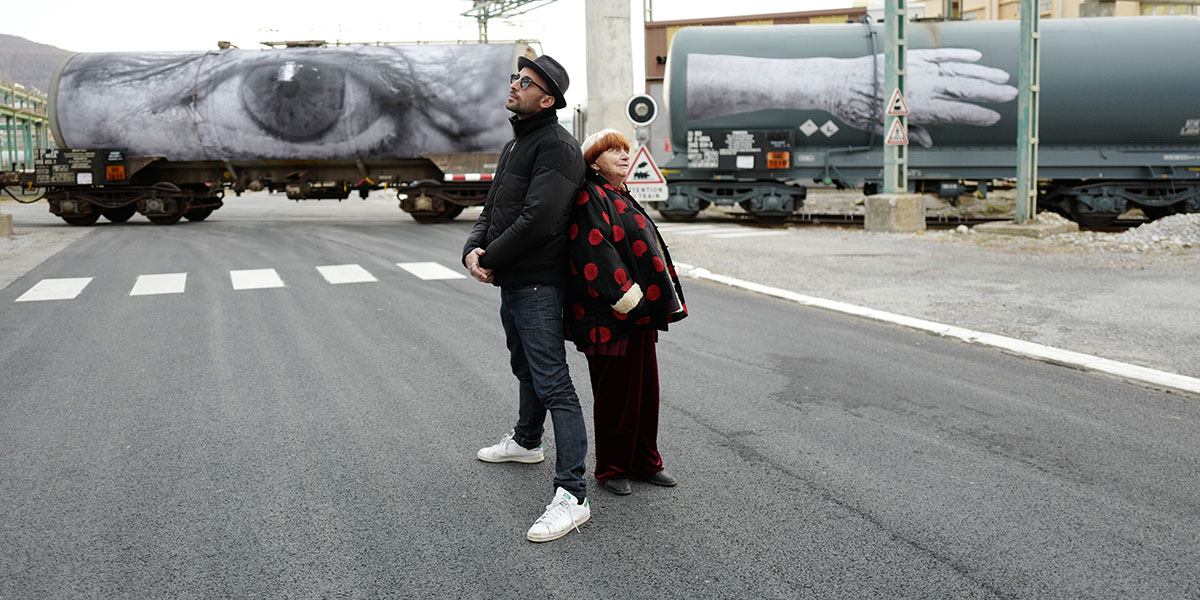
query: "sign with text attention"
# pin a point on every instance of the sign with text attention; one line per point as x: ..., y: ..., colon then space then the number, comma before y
x: 646, y: 183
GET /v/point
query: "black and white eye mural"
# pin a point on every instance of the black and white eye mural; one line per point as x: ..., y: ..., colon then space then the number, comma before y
x: 297, y: 103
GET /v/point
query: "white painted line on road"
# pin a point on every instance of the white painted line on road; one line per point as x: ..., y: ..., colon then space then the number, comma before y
x: 336, y: 274
x: 745, y: 234
x: 1086, y: 362
x: 703, y: 230
x: 160, y: 283
x: 55, y: 289
x: 255, y: 279
x: 430, y: 270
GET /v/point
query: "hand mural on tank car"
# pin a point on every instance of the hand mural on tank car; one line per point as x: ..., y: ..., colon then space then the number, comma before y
x: 942, y: 84
x: 298, y: 103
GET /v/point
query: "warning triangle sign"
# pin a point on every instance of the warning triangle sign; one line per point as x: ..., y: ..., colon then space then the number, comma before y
x: 643, y: 170
x: 897, y: 134
x: 897, y: 106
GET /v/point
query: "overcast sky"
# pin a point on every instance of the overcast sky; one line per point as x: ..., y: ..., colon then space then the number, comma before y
x: 148, y: 25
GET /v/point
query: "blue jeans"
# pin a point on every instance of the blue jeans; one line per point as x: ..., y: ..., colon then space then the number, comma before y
x: 533, y: 326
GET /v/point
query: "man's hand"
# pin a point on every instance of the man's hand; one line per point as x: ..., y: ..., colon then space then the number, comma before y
x: 472, y: 261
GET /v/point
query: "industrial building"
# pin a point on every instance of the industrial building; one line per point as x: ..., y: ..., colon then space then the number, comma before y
x: 24, y: 128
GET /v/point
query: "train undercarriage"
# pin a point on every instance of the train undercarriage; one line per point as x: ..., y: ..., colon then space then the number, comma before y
x: 81, y: 186
x: 162, y: 203
x: 1089, y: 203
x: 1100, y: 204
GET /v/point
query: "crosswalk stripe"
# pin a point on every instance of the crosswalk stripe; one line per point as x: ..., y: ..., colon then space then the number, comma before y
x: 255, y: 279
x: 745, y: 234
x: 159, y: 283
x: 55, y: 289
x: 336, y: 274
x: 430, y: 270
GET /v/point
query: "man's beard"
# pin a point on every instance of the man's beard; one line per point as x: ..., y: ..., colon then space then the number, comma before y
x: 523, y: 109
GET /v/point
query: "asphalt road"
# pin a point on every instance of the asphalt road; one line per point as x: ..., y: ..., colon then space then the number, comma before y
x: 317, y: 440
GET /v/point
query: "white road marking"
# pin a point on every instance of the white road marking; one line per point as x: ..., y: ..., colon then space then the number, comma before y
x: 430, y: 270
x: 336, y: 274
x: 696, y: 229
x: 55, y: 289
x: 1086, y: 362
x: 161, y: 283
x: 255, y: 279
x: 744, y: 234
x: 707, y: 230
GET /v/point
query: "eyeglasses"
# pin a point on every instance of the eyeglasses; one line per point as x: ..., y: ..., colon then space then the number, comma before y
x: 525, y: 82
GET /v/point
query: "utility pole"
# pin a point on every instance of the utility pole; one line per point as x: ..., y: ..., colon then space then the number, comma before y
x: 1028, y: 99
x: 895, y: 56
x: 895, y: 210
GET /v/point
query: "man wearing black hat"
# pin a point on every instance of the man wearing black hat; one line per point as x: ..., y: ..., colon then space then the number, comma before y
x: 519, y: 243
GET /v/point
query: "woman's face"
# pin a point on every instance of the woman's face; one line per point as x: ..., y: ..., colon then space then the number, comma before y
x: 613, y: 164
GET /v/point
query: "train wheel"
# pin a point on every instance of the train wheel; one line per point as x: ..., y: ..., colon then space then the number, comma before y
x: 449, y: 211
x: 425, y: 218
x: 1155, y: 213
x: 198, y: 214
x: 165, y: 219
x: 82, y: 220
x: 119, y: 215
x: 765, y: 219
x: 678, y: 217
x: 1084, y: 215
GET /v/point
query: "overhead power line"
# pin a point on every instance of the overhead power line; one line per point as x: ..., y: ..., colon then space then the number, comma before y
x: 485, y: 10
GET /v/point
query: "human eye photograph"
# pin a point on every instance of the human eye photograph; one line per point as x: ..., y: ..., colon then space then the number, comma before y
x: 661, y: 299
x: 288, y: 103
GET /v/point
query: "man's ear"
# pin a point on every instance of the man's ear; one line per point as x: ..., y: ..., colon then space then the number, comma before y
x: 546, y: 102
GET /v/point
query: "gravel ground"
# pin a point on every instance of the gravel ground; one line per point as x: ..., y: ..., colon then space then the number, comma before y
x: 1130, y: 296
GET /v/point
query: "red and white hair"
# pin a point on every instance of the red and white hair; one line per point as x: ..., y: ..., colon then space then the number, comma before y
x: 602, y: 141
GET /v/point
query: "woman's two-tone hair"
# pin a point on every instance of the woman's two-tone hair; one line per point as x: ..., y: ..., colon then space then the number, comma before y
x: 602, y: 141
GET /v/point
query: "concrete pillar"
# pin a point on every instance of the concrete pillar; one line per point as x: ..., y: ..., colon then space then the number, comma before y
x: 609, y: 66
x: 6, y: 228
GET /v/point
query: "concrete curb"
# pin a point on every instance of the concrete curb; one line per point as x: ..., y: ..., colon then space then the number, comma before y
x: 1144, y: 375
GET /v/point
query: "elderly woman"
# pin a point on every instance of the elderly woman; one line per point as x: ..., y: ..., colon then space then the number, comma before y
x: 621, y: 292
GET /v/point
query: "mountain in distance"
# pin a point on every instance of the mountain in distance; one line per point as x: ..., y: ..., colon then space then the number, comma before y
x: 29, y: 63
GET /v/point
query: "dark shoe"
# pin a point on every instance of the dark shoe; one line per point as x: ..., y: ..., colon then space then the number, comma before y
x: 661, y: 478
x: 619, y: 487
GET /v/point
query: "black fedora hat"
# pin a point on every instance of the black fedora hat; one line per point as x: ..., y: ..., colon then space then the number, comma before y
x: 554, y: 74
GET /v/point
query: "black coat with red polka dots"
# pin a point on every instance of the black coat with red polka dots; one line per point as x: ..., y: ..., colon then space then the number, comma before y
x: 621, y: 277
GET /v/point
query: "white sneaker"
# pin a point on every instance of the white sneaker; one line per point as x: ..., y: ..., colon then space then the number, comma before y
x: 563, y: 514
x: 509, y: 451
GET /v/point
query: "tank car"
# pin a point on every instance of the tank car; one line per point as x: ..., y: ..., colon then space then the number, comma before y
x: 754, y: 109
x: 167, y: 133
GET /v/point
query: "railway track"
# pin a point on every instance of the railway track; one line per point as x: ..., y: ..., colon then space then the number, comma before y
x: 856, y: 220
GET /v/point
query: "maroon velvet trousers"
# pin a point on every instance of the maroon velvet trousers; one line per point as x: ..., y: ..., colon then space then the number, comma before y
x: 625, y: 389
